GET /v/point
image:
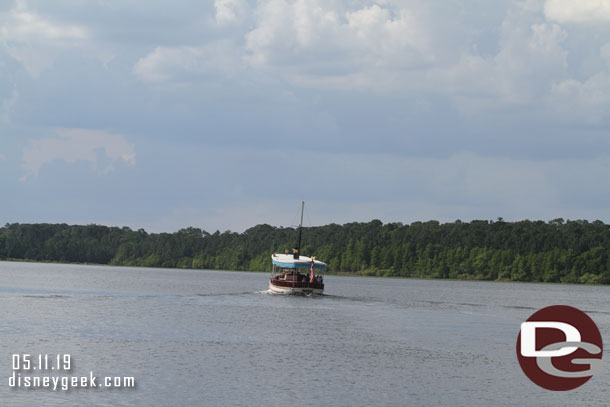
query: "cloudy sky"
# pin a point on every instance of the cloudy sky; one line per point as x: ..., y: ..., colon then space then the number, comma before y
x: 225, y: 114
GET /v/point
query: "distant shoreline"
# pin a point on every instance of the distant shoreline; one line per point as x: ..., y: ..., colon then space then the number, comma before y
x: 557, y: 251
x: 327, y: 273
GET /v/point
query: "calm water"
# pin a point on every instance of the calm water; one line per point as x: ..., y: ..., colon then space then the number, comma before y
x: 207, y: 338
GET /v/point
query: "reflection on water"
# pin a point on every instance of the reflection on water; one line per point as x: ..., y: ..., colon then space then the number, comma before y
x: 217, y: 339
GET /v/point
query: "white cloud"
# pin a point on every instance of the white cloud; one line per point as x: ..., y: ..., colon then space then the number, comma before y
x: 26, y: 26
x: 396, y: 47
x: 531, y: 57
x: 587, y: 99
x: 390, y: 47
x: 187, y: 63
x: 319, y: 42
x: 230, y: 11
x: 580, y: 11
x: 312, y: 43
x: 33, y: 40
x: 74, y: 145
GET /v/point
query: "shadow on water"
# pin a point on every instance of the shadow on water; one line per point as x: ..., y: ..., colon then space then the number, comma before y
x: 517, y: 307
x: 226, y: 294
x: 42, y: 296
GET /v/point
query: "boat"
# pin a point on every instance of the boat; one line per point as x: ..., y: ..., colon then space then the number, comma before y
x: 294, y: 273
x: 286, y: 276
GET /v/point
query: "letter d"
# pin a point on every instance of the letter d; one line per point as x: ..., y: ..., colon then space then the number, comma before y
x: 11, y: 380
x: 528, y: 338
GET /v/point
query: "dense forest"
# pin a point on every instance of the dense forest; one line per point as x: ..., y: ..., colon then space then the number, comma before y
x: 555, y: 251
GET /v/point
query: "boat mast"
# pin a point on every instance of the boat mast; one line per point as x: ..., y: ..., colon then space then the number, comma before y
x: 298, y: 249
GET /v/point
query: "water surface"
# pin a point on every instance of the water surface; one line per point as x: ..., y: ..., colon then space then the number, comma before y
x: 210, y: 338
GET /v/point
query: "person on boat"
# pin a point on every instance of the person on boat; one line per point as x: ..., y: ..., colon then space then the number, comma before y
x: 311, y: 273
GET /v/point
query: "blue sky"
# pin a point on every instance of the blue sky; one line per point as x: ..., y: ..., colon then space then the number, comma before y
x: 226, y: 114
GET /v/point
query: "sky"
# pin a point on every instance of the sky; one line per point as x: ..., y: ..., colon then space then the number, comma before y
x: 226, y: 114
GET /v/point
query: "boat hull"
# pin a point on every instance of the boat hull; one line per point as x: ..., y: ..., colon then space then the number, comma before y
x: 275, y: 289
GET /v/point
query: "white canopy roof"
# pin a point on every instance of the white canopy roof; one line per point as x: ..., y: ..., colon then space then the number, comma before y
x: 288, y: 261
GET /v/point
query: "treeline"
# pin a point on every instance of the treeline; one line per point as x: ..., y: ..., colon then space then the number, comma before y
x: 555, y: 251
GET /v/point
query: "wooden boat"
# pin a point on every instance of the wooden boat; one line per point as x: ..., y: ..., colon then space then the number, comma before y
x: 296, y: 274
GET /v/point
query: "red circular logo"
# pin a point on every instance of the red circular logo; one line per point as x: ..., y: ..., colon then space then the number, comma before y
x: 559, y: 348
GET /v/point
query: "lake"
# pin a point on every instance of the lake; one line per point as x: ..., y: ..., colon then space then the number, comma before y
x: 211, y: 338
